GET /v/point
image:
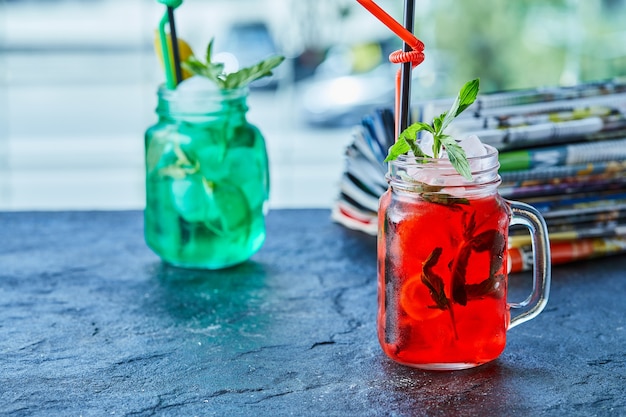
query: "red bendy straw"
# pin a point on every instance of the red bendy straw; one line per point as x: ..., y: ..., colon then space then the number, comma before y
x: 402, y: 32
x: 411, y: 56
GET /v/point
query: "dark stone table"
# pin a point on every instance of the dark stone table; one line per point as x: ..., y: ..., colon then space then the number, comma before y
x: 93, y: 324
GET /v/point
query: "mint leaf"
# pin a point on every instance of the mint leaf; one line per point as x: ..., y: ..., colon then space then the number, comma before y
x: 408, y: 142
x: 412, y: 130
x: 399, y: 148
x: 468, y: 95
x: 209, y: 52
x: 433, y: 281
x: 459, y: 271
x: 438, y: 122
x: 449, y: 116
x: 246, y: 75
x: 463, y: 100
x: 457, y: 157
x: 456, y: 154
x: 417, y: 151
x: 238, y: 79
x: 435, y: 286
x: 444, y: 199
x: 494, y: 242
x: 209, y: 70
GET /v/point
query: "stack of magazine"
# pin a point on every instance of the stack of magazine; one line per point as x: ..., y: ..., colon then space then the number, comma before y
x: 562, y: 150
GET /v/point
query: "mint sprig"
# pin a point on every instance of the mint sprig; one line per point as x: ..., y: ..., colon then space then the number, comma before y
x: 435, y: 286
x: 215, y: 70
x: 407, y: 141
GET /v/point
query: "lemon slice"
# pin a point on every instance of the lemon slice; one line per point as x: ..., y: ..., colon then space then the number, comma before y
x: 184, y: 51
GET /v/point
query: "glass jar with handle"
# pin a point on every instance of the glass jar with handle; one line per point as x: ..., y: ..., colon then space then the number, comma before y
x: 442, y: 263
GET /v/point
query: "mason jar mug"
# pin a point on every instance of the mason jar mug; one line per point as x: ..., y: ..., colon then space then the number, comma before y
x: 207, y: 180
x: 442, y: 263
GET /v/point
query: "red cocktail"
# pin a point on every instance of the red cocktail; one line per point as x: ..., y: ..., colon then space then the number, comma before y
x: 442, y: 263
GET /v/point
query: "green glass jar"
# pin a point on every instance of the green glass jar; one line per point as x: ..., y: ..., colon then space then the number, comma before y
x: 207, y: 180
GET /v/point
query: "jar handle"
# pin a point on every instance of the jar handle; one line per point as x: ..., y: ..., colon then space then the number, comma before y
x: 528, y: 216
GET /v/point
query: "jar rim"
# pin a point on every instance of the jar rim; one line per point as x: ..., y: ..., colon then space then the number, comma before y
x: 220, y: 93
x: 191, y: 105
x: 408, y: 170
x: 411, y: 159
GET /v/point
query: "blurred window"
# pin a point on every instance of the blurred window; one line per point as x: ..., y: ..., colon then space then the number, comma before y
x: 78, y: 79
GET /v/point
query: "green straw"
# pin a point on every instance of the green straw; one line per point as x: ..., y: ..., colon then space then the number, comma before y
x: 171, y: 77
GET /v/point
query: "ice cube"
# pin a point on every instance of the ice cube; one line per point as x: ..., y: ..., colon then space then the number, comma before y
x: 195, y: 97
x: 197, y: 84
x: 426, y: 143
x: 473, y: 146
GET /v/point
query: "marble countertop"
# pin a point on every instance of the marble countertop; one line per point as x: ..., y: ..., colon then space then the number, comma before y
x: 93, y: 324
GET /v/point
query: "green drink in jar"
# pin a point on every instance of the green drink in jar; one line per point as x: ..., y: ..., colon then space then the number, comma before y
x: 207, y: 174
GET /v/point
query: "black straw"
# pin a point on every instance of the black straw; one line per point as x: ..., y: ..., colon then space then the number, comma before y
x: 405, y: 75
x: 175, y: 54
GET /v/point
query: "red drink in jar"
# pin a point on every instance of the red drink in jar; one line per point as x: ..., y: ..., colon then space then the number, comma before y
x: 442, y: 263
